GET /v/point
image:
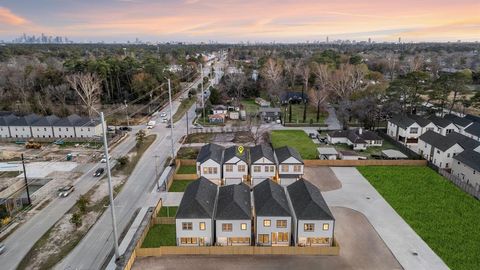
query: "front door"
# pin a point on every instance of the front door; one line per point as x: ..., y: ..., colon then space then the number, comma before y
x: 274, y: 238
x: 201, y: 241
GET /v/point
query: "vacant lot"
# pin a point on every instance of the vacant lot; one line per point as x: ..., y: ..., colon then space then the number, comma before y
x: 297, y: 114
x: 167, y: 211
x: 160, y: 235
x: 322, y: 177
x: 297, y: 139
x: 372, y: 150
x: 444, y: 216
x: 187, y: 169
x: 188, y: 153
x: 179, y: 185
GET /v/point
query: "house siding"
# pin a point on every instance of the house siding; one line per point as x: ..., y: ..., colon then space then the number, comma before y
x: 42, y: 132
x: 206, y: 234
x: 235, y: 176
x: 466, y: 173
x: 260, y: 229
x: 222, y: 238
x: 214, y: 177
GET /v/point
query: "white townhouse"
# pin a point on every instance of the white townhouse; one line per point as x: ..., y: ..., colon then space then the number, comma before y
x: 209, y: 162
x: 273, y: 218
x: 466, y: 166
x: 233, y: 216
x: 194, y: 219
x: 461, y: 122
x: 235, y: 165
x: 4, y: 129
x: 438, y: 149
x: 473, y: 131
x: 65, y: 127
x: 407, y: 128
x: 444, y: 126
x: 358, y: 139
x: 43, y: 127
x: 88, y: 128
x: 20, y: 126
x: 262, y: 163
x: 313, y: 222
x: 290, y: 165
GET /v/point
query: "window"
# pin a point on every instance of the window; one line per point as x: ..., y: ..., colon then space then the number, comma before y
x: 413, y: 130
x: 308, y: 227
x: 263, y: 238
x: 202, y: 226
x: 318, y: 240
x: 326, y: 226
x: 59, y: 129
x: 256, y: 168
x: 284, y: 168
x: 267, y: 168
x: 45, y: 129
x: 227, y: 227
x: 229, y: 168
x: 272, y: 168
x: 38, y: 129
x: 81, y: 129
x: 241, y: 168
x: 187, y: 226
x: 266, y: 223
x: 239, y: 240
x: 66, y: 129
x: 281, y: 223
x: 448, y: 155
x: 297, y: 168
x: 283, y: 237
x: 210, y: 170
x: 243, y: 226
x: 449, y: 131
x: 188, y: 240
x: 438, y: 151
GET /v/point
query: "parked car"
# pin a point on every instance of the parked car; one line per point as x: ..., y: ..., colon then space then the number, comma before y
x: 125, y: 128
x: 151, y: 124
x: 65, y: 191
x: 99, y: 172
x: 2, y: 248
x: 104, y: 160
x: 164, y: 120
x: 312, y: 135
x: 163, y: 114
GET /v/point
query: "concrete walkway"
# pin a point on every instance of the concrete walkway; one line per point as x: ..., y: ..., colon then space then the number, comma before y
x: 332, y: 120
x: 401, y: 239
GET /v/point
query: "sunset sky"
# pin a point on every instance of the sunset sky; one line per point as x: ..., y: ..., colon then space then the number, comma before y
x: 242, y: 20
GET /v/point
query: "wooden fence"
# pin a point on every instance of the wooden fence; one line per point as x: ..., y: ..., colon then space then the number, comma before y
x: 463, y: 185
x: 373, y: 162
x: 164, y: 220
x: 184, y: 162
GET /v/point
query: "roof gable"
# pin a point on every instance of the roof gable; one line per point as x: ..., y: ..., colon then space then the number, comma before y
x: 239, y: 152
x: 307, y: 201
x: 233, y: 202
x: 198, y: 200
x: 270, y: 199
x: 286, y: 152
x: 437, y: 140
x: 262, y: 151
x: 470, y: 158
x: 211, y: 151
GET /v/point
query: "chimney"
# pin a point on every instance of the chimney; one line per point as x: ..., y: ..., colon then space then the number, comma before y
x: 360, y: 131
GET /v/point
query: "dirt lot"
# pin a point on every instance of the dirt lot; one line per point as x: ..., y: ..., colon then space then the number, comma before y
x: 360, y: 248
x: 322, y: 177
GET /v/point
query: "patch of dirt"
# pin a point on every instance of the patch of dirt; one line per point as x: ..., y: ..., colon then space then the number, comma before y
x: 322, y: 177
x: 102, y: 188
x: 223, y: 137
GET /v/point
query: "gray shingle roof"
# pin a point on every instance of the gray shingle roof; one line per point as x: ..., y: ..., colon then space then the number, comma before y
x: 354, y: 135
x: 26, y: 120
x: 470, y: 158
x: 211, y: 151
x: 441, y: 122
x: 308, y: 202
x: 270, y: 199
x: 422, y: 121
x: 460, y: 121
x: 285, y: 152
x: 233, y: 202
x: 198, y: 201
x: 46, y: 121
x: 232, y: 151
x: 473, y: 117
x: 474, y: 129
x: 262, y: 150
x: 69, y: 121
x: 437, y: 140
x: 464, y: 141
x: 401, y: 121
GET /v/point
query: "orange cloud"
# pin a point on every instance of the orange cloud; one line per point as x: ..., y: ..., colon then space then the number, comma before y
x: 8, y: 17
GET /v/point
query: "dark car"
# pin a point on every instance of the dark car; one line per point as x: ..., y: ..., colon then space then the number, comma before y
x: 99, y: 172
x: 125, y: 128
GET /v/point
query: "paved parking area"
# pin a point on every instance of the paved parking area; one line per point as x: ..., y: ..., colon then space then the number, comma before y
x: 361, y: 248
x: 322, y: 177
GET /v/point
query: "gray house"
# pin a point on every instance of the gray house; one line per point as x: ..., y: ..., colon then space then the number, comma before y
x: 233, y: 216
x: 313, y: 223
x: 209, y: 162
x: 273, y: 218
x: 466, y: 166
x: 194, y: 219
x: 262, y: 163
x: 235, y: 165
x: 290, y: 165
x: 43, y: 127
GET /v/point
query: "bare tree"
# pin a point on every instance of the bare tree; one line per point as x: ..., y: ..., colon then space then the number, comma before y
x: 346, y: 80
x: 392, y: 65
x: 320, y: 93
x: 272, y: 72
x: 305, y: 73
x: 235, y: 84
x: 87, y: 86
x: 256, y: 132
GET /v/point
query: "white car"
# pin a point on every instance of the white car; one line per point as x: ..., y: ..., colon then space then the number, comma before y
x: 164, y: 120
x: 163, y: 114
x: 65, y: 191
x: 2, y: 248
x: 104, y: 160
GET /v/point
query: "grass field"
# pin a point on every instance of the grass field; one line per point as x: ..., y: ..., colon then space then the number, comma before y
x: 297, y: 139
x: 183, y: 108
x: 250, y: 106
x: 160, y: 235
x: 187, y: 169
x: 199, y: 137
x: 167, y: 211
x: 297, y: 114
x: 372, y: 150
x: 179, y: 185
x: 446, y: 218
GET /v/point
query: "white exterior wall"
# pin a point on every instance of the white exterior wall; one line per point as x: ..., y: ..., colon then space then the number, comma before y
x: 88, y: 131
x: 442, y: 159
x: 302, y: 235
x: 222, y: 237
x: 42, y: 132
x: 64, y: 132
x: 260, y: 229
x: 206, y: 234
x: 358, y: 146
x: 408, y: 132
x: 20, y: 131
x: 216, y: 178
x: 235, y: 175
x: 443, y: 131
x: 392, y: 130
x: 335, y: 140
x: 466, y: 173
x: 4, y: 132
x: 290, y: 162
x: 257, y: 177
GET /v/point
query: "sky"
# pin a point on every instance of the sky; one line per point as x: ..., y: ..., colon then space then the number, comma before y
x: 243, y: 20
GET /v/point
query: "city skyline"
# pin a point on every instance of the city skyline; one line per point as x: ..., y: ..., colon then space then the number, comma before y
x: 235, y: 21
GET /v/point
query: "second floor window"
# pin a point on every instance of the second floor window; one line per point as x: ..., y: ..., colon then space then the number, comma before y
x: 284, y: 168
x: 266, y: 223
x: 202, y: 226
x: 309, y: 227
x: 187, y: 226
x: 281, y: 223
x: 243, y: 226
x: 210, y: 170
x: 229, y: 168
x: 256, y: 168
x: 241, y: 168
x: 413, y: 130
x: 227, y: 227
x: 297, y: 168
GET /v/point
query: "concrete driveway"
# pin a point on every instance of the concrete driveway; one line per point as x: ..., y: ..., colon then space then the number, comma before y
x: 322, y: 177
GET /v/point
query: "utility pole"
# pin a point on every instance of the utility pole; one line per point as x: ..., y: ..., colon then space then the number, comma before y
x: 171, y: 118
x: 26, y: 182
x: 186, y: 114
x: 156, y: 172
x: 203, y: 94
x: 126, y: 112
x: 110, y: 188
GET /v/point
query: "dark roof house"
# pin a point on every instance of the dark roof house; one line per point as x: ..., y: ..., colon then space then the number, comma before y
x: 46, y: 121
x: 441, y: 122
x: 356, y: 135
x: 233, y: 151
x: 402, y: 121
x: 473, y: 129
x: 199, y: 199
x: 307, y: 201
x: 211, y: 151
x: 233, y: 202
x: 286, y: 152
x: 459, y: 121
x: 262, y: 151
x: 464, y: 141
x: 437, y: 140
x: 270, y: 199
x: 470, y: 158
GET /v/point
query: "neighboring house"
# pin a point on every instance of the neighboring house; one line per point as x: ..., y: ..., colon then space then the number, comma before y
x: 234, y: 115
x: 262, y: 102
x: 262, y: 163
x: 209, y: 162
x: 349, y: 155
x: 65, y: 127
x: 194, y: 219
x: 235, y: 165
x: 4, y: 129
x: 20, y: 126
x: 233, y: 216
x: 273, y: 218
x: 216, y: 118
x: 358, y: 139
x: 466, y: 166
x: 88, y: 128
x: 461, y: 122
x: 327, y: 153
x: 438, y: 149
x: 43, y: 127
x: 444, y: 126
x: 294, y: 97
x: 313, y: 222
x: 290, y: 165
x: 268, y: 114
x: 473, y: 131
x: 219, y: 109
x: 404, y: 129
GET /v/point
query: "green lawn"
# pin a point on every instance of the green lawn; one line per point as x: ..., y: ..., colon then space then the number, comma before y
x: 297, y: 139
x: 160, y: 235
x: 183, y: 108
x: 199, y: 137
x: 250, y: 106
x: 445, y: 217
x: 179, y: 185
x: 297, y: 114
x: 167, y: 211
x: 187, y: 169
x: 372, y: 150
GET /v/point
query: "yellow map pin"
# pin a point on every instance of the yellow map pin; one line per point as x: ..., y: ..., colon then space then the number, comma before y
x: 240, y: 149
